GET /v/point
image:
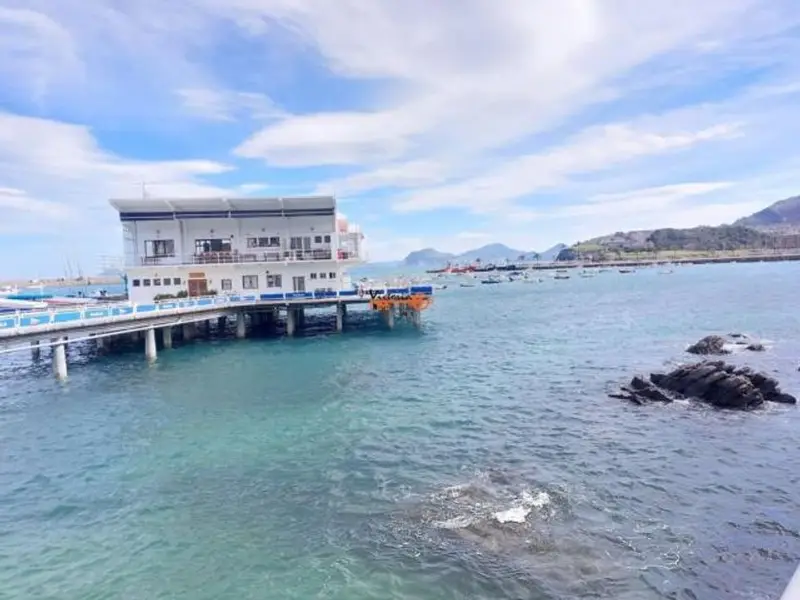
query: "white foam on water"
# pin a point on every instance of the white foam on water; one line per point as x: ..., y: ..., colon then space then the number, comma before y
x: 513, y: 515
x: 455, y: 523
x: 518, y: 514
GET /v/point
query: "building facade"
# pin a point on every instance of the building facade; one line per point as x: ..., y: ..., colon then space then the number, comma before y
x: 199, y: 247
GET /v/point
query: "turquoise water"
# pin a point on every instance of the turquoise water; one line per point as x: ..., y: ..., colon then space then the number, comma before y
x: 322, y: 467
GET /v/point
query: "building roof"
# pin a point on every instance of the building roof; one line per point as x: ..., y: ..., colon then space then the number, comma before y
x: 214, y: 205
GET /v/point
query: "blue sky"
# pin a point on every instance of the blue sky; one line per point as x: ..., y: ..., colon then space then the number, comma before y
x: 448, y: 124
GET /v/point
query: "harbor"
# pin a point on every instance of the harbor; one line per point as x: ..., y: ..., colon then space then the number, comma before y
x: 190, y: 263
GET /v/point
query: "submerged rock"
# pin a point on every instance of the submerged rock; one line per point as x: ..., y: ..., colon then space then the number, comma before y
x: 719, y: 345
x: 713, y: 382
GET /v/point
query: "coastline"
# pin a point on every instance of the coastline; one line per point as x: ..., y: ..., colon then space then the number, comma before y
x: 643, y: 262
x: 63, y: 282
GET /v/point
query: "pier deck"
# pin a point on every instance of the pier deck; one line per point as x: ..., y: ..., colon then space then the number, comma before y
x: 31, y: 330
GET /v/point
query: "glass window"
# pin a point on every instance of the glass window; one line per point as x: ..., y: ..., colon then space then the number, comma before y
x: 136, y: 283
x: 146, y: 282
x: 250, y: 282
x: 226, y: 285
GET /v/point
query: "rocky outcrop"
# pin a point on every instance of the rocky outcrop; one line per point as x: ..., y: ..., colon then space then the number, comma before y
x: 718, y: 345
x: 713, y: 382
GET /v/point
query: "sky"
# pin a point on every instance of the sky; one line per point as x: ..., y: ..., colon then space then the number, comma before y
x: 446, y: 124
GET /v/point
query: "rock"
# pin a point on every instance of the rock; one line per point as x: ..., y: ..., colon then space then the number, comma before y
x: 713, y: 382
x: 719, y: 345
x: 711, y: 344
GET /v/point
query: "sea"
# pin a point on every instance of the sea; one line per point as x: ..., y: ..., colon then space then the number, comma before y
x: 477, y: 458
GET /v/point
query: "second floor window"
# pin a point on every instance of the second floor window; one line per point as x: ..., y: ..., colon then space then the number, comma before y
x: 156, y: 248
x: 212, y: 245
x: 274, y: 281
x: 226, y: 285
x: 264, y: 242
x: 250, y: 282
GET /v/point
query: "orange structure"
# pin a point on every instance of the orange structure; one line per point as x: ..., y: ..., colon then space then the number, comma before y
x: 415, y: 302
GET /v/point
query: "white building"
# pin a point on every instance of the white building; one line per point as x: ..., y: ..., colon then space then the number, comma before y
x: 236, y: 246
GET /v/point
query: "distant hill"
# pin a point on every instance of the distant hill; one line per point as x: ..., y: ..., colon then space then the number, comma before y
x: 785, y: 213
x: 427, y: 257
x: 491, y: 253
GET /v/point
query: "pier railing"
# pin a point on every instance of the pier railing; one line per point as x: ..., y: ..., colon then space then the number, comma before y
x: 22, y: 322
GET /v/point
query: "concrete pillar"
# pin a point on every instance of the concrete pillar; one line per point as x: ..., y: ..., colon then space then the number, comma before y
x: 291, y: 322
x: 166, y: 336
x: 188, y: 331
x: 36, y: 351
x: 60, y: 359
x: 150, y: 344
x: 241, y: 326
x: 340, y: 314
x: 416, y: 318
x: 388, y: 315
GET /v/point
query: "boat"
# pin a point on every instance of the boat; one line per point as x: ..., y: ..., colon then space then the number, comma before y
x: 8, y: 290
x: 466, y: 285
x: 13, y: 305
x: 626, y: 270
x: 491, y: 280
x: 560, y: 276
x: 665, y: 272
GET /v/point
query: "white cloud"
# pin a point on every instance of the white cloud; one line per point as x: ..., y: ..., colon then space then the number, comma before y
x: 538, y: 115
x: 593, y: 150
x: 219, y: 105
x: 61, y: 185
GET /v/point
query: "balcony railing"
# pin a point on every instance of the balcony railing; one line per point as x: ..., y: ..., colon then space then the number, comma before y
x: 249, y: 256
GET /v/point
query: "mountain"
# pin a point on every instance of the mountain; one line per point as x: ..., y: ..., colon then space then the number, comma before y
x: 785, y: 213
x: 491, y: 253
x: 427, y: 257
x: 550, y: 254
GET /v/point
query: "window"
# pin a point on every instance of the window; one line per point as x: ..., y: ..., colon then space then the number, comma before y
x: 167, y: 281
x: 323, y: 275
x: 296, y: 243
x: 146, y: 282
x: 274, y: 281
x: 250, y: 282
x: 136, y: 283
x: 317, y: 239
x: 176, y: 281
x: 327, y: 239
x: 313, y: 276
x: 157, y: 248
x: 332, y: 275
x: 264, y: 242
x: 156, y: 282
x: 226, y: 285
x: 212, y: 245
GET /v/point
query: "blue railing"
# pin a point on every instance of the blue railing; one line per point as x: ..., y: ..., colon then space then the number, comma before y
x: 129, y: 311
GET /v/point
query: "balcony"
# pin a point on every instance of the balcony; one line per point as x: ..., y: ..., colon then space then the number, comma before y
x: 276, y: 255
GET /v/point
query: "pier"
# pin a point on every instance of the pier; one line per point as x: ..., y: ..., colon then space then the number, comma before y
x: 102, y: 323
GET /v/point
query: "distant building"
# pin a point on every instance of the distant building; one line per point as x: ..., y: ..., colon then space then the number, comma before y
x: 236, y: 246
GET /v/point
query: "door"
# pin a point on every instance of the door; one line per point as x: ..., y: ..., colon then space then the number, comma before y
x: 299, y: 284
x: 198, y: 287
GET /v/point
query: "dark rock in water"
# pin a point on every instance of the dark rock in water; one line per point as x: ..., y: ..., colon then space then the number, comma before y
x: 719, y: 344
x: 713, y: 382
x: 711, y: 344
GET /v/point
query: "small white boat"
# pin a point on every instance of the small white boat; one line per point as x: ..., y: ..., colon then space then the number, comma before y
x: 9, y: 290
x: 7, y: 304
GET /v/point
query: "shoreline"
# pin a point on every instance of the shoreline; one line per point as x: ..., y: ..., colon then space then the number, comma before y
x: 62, y: 282
x: 639, y: 262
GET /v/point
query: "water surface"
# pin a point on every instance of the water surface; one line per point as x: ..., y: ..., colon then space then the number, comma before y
x: 313, y: 468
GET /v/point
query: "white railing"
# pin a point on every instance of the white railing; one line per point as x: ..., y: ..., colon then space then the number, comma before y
x: 39, y: 321
x: 254, y: 255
